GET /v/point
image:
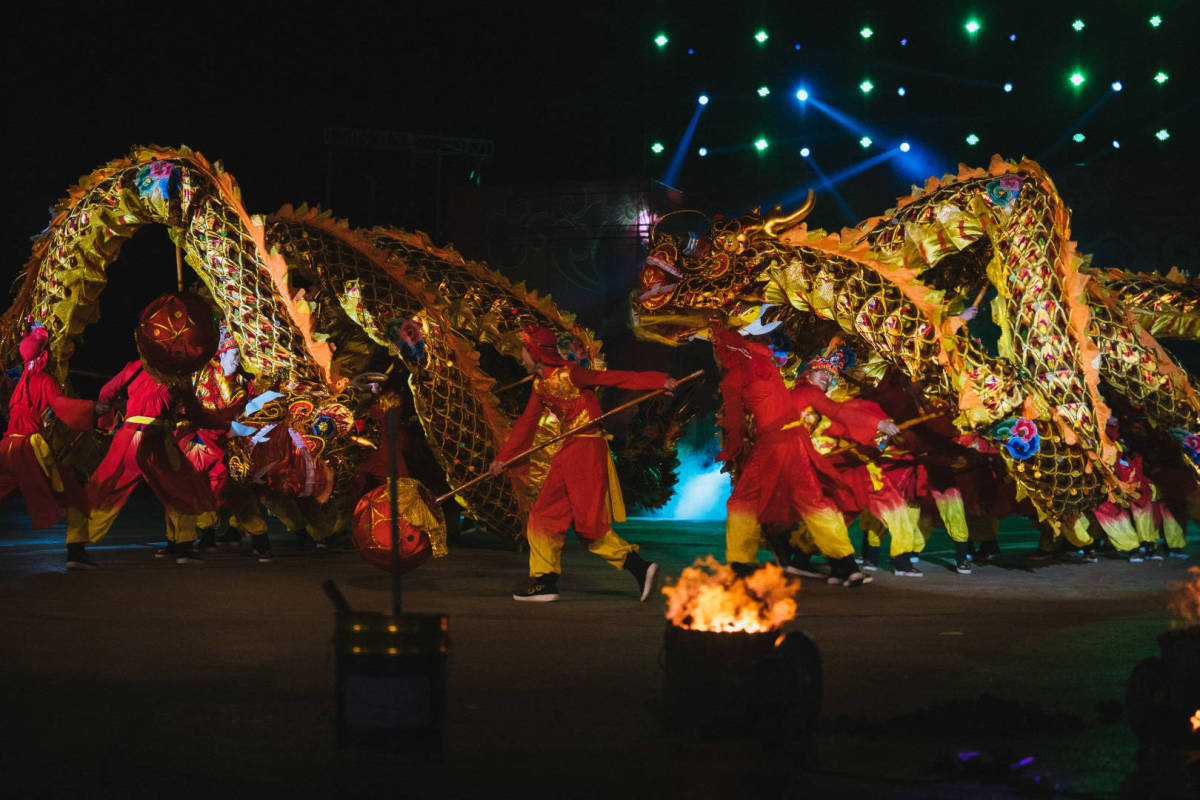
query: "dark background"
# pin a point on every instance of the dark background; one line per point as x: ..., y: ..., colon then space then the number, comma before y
x: 565, y: 106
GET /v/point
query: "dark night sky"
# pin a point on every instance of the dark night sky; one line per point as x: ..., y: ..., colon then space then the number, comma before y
x: 582, y: 93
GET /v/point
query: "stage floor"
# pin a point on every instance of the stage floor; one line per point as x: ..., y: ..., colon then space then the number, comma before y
x: 143, y: 678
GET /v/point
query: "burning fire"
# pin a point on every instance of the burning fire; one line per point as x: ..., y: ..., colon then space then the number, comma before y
x: 1184, y: 602
x: 1195, y: 720
x: 710, y: 596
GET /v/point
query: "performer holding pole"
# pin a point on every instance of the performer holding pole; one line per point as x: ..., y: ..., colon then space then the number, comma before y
x: 581, y: 485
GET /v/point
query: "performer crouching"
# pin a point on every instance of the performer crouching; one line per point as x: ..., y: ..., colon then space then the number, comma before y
x: 581, y: 485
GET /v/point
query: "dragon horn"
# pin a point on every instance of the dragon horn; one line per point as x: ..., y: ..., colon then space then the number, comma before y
x: 777, y: 225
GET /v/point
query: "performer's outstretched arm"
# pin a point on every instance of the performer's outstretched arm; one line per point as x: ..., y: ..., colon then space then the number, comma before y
x: 623, y: 379
x: 520, y: 438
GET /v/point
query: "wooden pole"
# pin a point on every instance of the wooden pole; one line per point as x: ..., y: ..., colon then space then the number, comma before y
x: 514, y: 384
x: 178, y: 266
x: 562, y: 436
x: 906, y: 424
x: 979, y: 297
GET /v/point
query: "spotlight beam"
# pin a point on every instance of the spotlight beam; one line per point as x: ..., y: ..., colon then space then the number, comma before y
x: 826, y: 183
x: 1074, y: 126
x: 684, y: 145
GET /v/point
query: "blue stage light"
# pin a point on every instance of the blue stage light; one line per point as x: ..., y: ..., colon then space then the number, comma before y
x: 703, y: 100
x: 904, y: 42
x: 1012, y: 37
x: 901, y: 91
x: 904, y: 147
x: 1007, y: 88
x: 865, y: 142
x: 1116, y: 86
x: 802, y: 95
x: 703, y: 151
x: 804, y: 151
x: 1116, y: 145
x: 796, y: 46
x: 691, y: 51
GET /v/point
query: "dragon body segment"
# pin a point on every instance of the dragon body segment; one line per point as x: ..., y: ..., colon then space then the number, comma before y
x: 309, y: 301
x: 896, y: 284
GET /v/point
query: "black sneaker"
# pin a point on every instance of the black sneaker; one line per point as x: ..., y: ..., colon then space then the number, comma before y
x: 304, y: 542
x: 538, y: 589
x: 260, y: 545
x: 644, y: 572
x: 77, y: 557
x: 207, y: 540
x: 230, y: 536
x: 962, y: 558
x: 1177, y: 552
x: 1152, y: 553
x: 185, y: 554
x: 903, y: 566
x: 166, y: 552
x: 1134, y: 556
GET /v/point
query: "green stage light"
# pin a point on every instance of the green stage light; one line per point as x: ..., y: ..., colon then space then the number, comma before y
x: 972, y: 139
x: 661, y: 40
x: 761, y: 144
x: 1077, y: 79
x: 866, y: 87
x: 657, y: 147
x: 866, y: 32
x: 1077, y: 25
x: 972, y: 26
x: 865, y: 142
x: 1162, y: 135
x: 1079, y: 137
x: 1161, y: 77
x: 761, y: 37
x: 763, y: 91
x: 1155, y: 21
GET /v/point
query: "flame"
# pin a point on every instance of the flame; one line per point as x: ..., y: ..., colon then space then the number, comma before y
x: 710, y: 596
x: 1195, y: 720
x: 1184, y: 601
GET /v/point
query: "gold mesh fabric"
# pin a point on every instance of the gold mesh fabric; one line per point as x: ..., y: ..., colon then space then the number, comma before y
x: 452, y: 398
x: 897, y: 283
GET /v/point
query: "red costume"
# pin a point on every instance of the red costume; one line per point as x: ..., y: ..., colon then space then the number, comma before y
x: 144, y: 448
x: 778, y: 485
x: 581, y: 485
x: 576, y: 488
x: 26, y: 462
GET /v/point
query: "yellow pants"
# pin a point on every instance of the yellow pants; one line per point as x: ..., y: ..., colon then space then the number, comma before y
x: 954, y: 517
x: 1120, y: 532
x: 826, y: 528
x: 1173, y: 531
x: 545, y: 550
x: 904, y: 525
x: 181, y: 528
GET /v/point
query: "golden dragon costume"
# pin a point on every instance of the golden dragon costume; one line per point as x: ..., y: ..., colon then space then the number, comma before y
x: 895, y: 285
x: 308, y: 300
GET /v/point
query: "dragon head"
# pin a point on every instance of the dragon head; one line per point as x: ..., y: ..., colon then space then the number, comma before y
x: 698, y: 270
